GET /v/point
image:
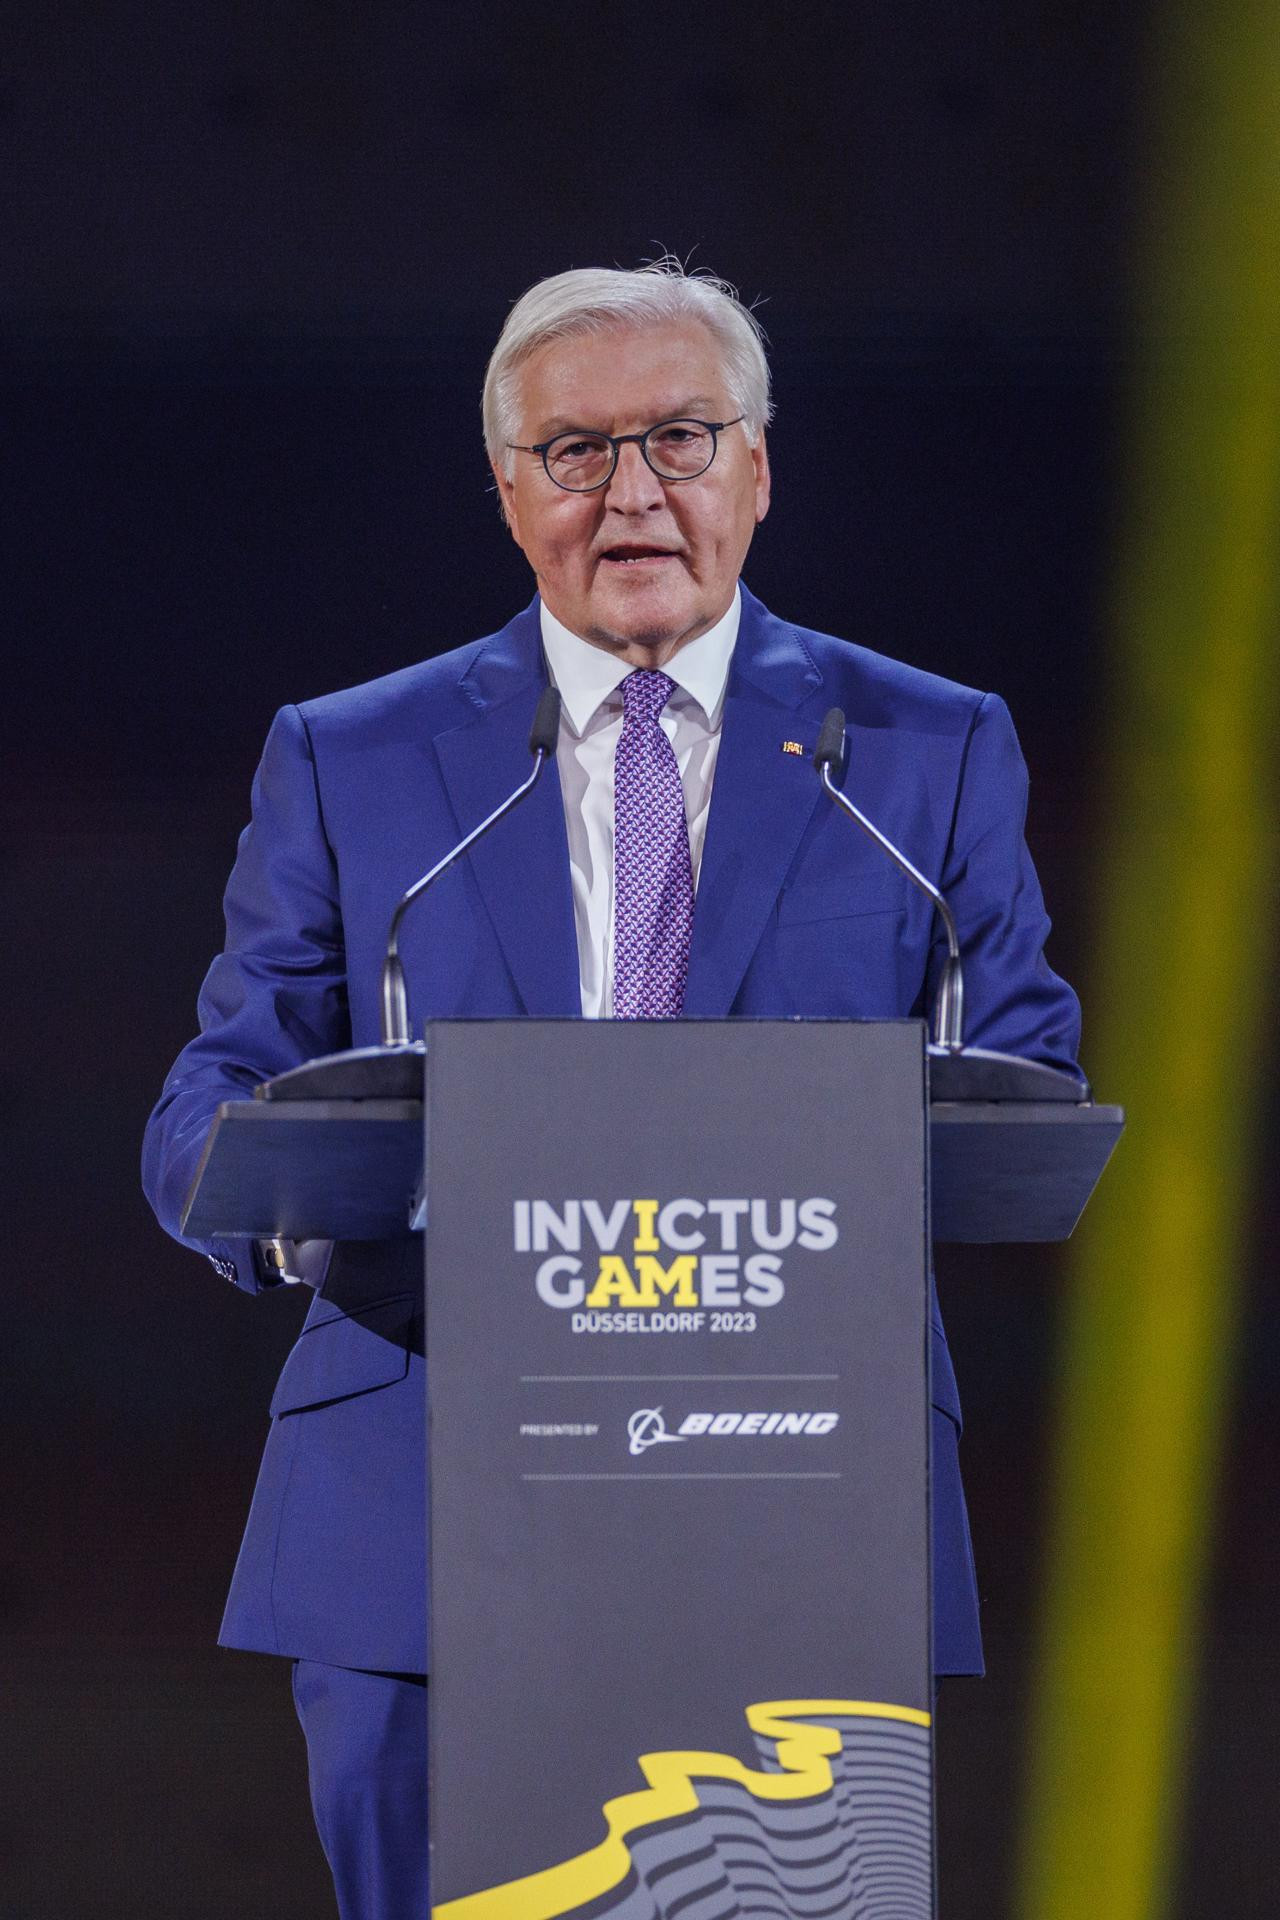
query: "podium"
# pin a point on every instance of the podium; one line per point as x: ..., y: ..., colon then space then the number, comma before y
x: 680, y: 1431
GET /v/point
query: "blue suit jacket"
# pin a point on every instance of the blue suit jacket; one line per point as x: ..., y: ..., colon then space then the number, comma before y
x: 796, y: 913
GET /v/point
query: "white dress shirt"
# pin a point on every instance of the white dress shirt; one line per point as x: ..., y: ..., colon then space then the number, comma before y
x: 589, y: 682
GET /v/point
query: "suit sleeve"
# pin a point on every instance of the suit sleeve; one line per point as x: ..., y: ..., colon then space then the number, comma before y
x: 1014, y: 1002
x: 275, y: 996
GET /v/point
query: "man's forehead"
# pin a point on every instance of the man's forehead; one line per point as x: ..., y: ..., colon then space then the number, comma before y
x: 607, y: 416
x: 657, y: 371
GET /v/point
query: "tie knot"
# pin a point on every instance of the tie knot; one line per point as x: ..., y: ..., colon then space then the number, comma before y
x: 644, y: 695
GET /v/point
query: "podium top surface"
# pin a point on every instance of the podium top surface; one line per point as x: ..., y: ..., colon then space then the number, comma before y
x: 397, y: 1073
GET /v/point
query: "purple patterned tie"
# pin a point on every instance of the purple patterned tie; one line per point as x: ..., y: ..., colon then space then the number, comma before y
x: 653, y: 881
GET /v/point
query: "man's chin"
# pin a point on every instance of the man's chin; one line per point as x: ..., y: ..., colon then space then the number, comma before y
x: 649, y: 619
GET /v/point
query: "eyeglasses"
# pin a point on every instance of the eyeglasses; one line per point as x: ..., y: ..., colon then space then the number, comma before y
x: 580, y: 461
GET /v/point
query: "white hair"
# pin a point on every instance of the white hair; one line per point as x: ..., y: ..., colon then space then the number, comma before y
x: 592, y: 299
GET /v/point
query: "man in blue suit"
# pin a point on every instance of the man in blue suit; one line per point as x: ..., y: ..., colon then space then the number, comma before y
x: 624, y: 417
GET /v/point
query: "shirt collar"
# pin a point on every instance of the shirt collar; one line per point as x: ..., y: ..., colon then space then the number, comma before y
x: 585, y: 676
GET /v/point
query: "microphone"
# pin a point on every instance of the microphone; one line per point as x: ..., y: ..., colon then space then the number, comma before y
x: 828, y: 758
x: 395, y: 998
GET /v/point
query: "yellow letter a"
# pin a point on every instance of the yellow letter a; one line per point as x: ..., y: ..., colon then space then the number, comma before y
x: 614, y: 1283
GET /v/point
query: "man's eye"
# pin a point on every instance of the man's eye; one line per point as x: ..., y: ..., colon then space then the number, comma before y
x: 582, y: 448
x: 676, y: 436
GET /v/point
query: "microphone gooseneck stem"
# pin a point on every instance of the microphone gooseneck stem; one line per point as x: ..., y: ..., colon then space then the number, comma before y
x: 949, y: 1011
x: 395, y: 998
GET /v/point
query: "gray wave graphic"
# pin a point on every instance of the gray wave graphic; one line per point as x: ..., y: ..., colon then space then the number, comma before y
x: 862, y: 1851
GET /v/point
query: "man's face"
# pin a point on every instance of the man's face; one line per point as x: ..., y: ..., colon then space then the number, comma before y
x: 641, y: 565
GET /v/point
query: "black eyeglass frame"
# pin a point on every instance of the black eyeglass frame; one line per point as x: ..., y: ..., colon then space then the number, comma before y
x: 714, y: 427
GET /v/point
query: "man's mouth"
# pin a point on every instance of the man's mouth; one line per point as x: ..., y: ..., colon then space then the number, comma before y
x: 636, y: 554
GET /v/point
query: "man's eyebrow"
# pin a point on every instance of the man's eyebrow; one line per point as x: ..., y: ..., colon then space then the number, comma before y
x: 698, y: 408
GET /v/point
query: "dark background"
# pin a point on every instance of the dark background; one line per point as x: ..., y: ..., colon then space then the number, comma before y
x: 255, y: 261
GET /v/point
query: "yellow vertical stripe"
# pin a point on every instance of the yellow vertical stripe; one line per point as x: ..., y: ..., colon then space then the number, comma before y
x: 1182, y: 986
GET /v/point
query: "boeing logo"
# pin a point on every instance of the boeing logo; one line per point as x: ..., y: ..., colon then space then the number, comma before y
x: 647, y: 1428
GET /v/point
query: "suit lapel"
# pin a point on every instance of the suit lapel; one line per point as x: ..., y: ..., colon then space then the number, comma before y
x: 762, y: 800
x: 522, y: 867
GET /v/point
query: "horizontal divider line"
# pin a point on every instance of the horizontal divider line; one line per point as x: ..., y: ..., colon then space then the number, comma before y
x: 681, y: 1476
x: 643, y: 1379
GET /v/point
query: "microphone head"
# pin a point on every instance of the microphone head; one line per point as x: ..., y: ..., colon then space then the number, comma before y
x: 829, y: 751
x: 546, y: 723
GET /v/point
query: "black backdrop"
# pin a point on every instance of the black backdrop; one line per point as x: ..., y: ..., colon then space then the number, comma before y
x: 256, y: 260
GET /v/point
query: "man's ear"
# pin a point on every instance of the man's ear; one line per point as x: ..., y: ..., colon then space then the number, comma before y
x: 764, y: 483
x: 506, y: 501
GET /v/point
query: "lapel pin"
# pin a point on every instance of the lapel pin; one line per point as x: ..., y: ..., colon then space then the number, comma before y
x: 793, y: 746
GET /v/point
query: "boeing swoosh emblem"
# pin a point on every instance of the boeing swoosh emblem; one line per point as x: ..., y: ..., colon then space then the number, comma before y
x: 647, y: 1428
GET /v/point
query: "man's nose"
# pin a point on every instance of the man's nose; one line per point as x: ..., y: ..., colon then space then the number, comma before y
x: 633, y: 486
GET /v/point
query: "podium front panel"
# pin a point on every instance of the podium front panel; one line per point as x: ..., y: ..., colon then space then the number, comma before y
x: 677, y: 1365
